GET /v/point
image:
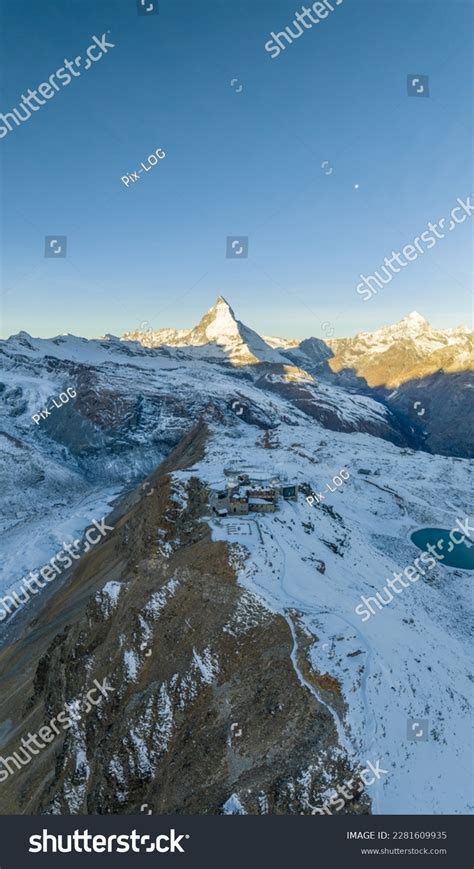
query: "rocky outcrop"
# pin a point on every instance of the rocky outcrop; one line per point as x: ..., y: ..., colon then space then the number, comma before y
x: 207, y: 711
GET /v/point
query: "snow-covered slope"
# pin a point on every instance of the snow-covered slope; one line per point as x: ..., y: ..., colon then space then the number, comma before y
x: 132, y: 406
x: 310, y: 564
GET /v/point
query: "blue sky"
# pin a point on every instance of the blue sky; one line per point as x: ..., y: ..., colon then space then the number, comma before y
x: 245, y: 163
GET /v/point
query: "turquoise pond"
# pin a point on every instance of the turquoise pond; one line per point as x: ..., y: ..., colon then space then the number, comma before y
x: 461, y: 555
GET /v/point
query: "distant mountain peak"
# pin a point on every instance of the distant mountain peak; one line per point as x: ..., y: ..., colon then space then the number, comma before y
x: 414, y: 315
x: 414, y: 319
x: 411, y: 323
x: 408, y: 350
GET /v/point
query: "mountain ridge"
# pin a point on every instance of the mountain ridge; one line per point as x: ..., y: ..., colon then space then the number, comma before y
x: 246, y: 623
x: 387, y: 356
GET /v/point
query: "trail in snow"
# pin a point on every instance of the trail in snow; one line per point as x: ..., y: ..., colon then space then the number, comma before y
x: 343, y: 739
x: 354, y: 753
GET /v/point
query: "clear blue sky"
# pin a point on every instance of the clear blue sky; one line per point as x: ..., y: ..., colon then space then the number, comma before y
x: 244, y: 163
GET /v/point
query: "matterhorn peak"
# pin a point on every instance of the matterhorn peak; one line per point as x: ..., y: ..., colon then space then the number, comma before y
x: 220, y: 308
x: 218, y: 322
x: 220, y: 329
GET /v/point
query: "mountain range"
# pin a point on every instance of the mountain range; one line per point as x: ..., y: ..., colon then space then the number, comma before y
x: 388, y: 357
x: 404, y: 366
x: 244, y: 681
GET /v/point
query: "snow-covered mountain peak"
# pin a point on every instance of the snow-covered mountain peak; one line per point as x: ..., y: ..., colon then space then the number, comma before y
x: 408, y: 350
x: 221, y: 301
x: 412, y: 324
x: 220, y: 337
x: 415, y: 318
x: 21, y: 339
x: 241, y: 345
x: 218, y: 323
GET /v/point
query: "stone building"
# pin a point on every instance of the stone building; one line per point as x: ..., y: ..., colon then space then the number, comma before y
x: 238, y: 505
x: 261, y: 505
